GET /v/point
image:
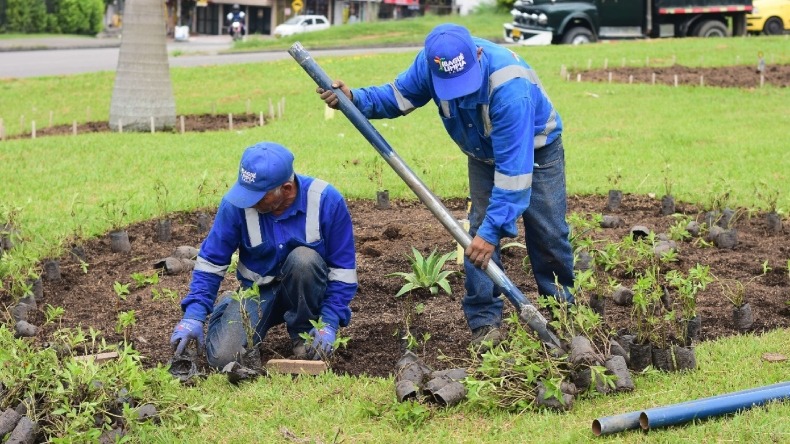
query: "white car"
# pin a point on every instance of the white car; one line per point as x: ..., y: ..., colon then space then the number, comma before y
x: 301, y: 23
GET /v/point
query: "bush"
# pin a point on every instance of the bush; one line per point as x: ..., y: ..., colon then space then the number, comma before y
x: 80, y: 16
x: 26, y: 16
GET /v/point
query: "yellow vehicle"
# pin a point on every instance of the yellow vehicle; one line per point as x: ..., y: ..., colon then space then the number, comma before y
x: 769, y: 17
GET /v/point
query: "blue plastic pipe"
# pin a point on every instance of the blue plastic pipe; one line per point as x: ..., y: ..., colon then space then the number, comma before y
x: 630, y: 420
x: 709, y: 407
x: 527, y: 312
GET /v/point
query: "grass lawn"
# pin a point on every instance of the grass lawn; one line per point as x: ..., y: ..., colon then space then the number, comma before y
x: 715, y: 140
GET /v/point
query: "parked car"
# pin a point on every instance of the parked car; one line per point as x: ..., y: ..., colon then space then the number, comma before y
x: 770, y: 17
x: 301, y: 23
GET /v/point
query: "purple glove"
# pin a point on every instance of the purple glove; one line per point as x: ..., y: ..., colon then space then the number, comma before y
x: 323, y: 341
x: 185, y: 331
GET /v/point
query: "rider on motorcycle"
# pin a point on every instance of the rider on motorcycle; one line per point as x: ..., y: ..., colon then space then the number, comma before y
x: 237, y: 15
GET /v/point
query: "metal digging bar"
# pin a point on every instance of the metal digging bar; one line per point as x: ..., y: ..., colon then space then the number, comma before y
x: 528, y: 313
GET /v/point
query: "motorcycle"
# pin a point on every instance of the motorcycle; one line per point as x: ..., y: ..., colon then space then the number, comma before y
x: 236, y: 30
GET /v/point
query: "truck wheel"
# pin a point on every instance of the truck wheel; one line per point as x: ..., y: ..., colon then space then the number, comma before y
x: 578, y: 36
x: 711, y: 28
x: 773, y: 26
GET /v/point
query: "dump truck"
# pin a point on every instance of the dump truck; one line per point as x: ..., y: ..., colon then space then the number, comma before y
x: 542, y: 22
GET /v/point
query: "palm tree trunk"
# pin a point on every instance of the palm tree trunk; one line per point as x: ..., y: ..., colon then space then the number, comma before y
x: 142, y: 80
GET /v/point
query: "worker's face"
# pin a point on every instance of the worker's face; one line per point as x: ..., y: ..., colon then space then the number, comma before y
x: 272, y: 201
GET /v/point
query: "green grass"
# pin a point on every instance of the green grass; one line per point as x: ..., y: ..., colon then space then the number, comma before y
x: 710, y: 136
x: 387, y: 32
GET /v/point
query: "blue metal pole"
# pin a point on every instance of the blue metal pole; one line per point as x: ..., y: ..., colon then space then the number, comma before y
x: 714, y: 406
x: 527, y: 312
x: 630, y: 420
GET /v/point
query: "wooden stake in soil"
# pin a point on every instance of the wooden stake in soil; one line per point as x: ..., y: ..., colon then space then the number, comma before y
x: 153, y: 128
x: 279, y: 110
x: 762, y: 80
x: 182, y: 124
x: 74, y: 127
x: 32, y: 129
x: 653, y: 79
x: 701, y: 80
x: 579, y: 77
x: 630, y: 78
x: 230, y: 121
x: 676, y: 80
x: 260, y: 119
x: 610, y: 76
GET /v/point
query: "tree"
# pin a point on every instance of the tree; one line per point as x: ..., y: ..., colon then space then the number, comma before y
x: 142, y: 80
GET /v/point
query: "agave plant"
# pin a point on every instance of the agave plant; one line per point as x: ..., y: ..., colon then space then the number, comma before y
x: 426, y: 273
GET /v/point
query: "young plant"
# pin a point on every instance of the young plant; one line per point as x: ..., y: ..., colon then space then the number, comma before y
x: 245, y: 296
x: 426, y: 273
x: 734, y: 290
x: 678, y: 231
x: 126, y: 321
x: 667, y: 179
x: 162, y: 198
x: 121, y: 290
x: 768, y: 195
x: 53, y: 313
x: 115, y: 212
x: 376, y: 172
x: 141, y: 279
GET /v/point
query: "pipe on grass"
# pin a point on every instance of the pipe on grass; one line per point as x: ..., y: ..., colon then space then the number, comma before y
x: 631, y: 420
x: 527, y: 312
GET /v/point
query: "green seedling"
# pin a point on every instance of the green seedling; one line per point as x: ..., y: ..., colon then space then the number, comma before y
x: 766, y: 267
x: 142, y: 279
x: 339, y: 342
x: 53, y: 313
x: 410, y: 414
x: 121, y: 290
x: 84, y: 266
x: 126, y: 321
x: 426, y: 273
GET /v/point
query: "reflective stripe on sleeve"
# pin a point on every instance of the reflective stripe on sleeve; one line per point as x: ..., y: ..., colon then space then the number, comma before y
x: 207, y: 267
x: 250, y: 275
x: 347, y: 275
x: 512, y: 183
x: 404, y: 104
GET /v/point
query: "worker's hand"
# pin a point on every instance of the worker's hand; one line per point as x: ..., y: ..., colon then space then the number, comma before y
x: 185, y: 331
x: 323, y: 342
x: 480, y: 252
x: 330, y: 98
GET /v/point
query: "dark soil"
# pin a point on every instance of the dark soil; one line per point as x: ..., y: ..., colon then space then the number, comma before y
x: 384, y: 239
x: 726, y: 77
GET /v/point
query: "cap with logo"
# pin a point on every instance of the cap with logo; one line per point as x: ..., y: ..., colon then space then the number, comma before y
x: 264, y: 166
x: 452, y: 61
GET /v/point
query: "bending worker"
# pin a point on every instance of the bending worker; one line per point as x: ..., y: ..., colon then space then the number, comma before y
x: 294, y: 240
x: 495, y: 109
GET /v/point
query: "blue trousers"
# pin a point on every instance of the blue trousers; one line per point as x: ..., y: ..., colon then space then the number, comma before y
x: 295, y: 297
x: 546, y: 232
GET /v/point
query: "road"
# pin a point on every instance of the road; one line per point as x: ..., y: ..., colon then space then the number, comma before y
x: 58, y: 60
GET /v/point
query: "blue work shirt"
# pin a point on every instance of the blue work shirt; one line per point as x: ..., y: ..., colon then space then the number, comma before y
x: 502, y: 124
x: 317, y: 219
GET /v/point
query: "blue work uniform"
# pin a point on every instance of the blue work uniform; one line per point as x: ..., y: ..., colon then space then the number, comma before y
x: 511, y: 133
x: 317, y: 223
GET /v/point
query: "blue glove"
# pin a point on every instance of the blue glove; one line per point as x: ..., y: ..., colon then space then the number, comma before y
x: 323, y: 341
x: 185, y: 331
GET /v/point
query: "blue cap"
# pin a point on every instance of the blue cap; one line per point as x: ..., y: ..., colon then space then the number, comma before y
x: 264, y: 166
x: 452, y: 61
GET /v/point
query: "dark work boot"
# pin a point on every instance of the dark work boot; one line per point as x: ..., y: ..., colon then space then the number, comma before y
x: 485, y: 338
